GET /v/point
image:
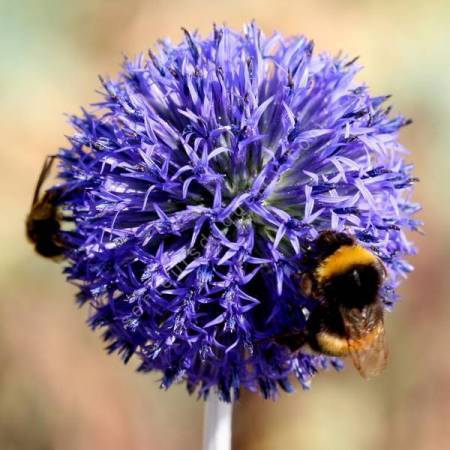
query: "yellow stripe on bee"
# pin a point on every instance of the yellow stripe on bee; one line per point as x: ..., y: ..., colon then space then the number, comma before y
x: 331, y: 344
x: 342, y: 259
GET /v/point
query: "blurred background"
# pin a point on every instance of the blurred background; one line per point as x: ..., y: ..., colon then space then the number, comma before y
x: 58, y: 388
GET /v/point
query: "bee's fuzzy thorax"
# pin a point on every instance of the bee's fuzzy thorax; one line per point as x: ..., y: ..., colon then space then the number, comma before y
x: 346, y: 257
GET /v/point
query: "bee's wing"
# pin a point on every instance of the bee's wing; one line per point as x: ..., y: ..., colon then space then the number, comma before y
x: 366, y: 338
x: 43, y: 175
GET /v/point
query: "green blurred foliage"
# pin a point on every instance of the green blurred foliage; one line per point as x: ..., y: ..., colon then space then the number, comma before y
x: 58, y: 389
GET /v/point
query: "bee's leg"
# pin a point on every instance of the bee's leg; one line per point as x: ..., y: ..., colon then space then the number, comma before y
x: 293, y: 342
x: 382, y: 267
x: 307, y: 284
x: 66, y: 218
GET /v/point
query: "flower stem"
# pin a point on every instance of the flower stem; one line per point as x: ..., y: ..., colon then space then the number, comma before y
x: 217, y: 424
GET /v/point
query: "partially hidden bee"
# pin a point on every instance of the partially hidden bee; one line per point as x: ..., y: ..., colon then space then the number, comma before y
x: 348, y: 320
x: 43, y: 223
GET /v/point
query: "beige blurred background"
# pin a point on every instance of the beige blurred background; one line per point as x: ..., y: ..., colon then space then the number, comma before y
x: 59, y: 390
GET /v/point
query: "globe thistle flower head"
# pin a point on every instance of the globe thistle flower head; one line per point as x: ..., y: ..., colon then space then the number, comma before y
x: 195, y: 185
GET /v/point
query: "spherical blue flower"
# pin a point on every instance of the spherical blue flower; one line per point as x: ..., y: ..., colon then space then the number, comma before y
x: 194, y: 186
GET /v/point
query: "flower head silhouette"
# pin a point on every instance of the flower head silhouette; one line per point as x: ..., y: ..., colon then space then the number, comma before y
x: 194, y: 186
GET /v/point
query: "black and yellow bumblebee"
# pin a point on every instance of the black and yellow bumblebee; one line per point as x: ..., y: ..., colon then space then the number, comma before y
x: 345, y: 279
x: 43, y: 223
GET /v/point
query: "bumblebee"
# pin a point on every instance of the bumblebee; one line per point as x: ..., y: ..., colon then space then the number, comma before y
x: 348, y: 320
x: 43, y: 223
